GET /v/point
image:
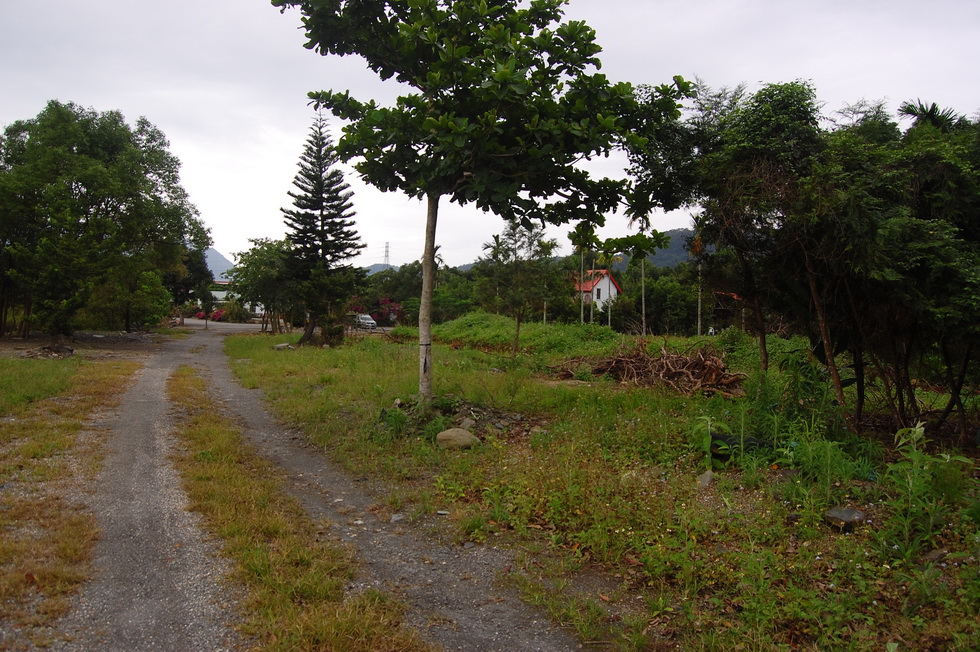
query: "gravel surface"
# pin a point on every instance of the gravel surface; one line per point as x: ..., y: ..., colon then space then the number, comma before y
x: 158, y: 580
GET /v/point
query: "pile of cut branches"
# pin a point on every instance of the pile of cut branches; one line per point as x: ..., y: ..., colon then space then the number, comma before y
x: 699, y: 372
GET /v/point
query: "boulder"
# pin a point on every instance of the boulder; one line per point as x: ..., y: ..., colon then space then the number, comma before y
x: 457, y: 439
x: 704, y: 480
x: 844, y: 519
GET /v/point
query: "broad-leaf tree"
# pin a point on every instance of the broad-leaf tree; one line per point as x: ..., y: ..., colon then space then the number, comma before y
x: 322, y: 237
x: 88, y: 200
x: 259, y: 276
x: 503, y: 102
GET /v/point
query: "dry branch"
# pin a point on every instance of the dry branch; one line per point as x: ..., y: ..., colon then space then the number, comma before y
x: 699, y: 372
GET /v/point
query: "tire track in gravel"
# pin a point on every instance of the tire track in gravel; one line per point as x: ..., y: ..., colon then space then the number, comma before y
x: 453, y: 596
x: 158, y: 580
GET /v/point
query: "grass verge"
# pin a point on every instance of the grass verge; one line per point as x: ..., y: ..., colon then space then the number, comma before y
x: 47, y: 535
x: 613, y: 481
x: 294, y: 576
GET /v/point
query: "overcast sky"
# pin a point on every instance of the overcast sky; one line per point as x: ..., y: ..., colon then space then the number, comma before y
x: 226, y: 81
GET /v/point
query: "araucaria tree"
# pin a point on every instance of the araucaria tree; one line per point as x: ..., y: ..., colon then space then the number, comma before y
x: 321, y: 237
x: 503, y: 102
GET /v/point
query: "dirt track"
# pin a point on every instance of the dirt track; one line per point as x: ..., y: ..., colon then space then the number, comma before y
x: 158, y: 582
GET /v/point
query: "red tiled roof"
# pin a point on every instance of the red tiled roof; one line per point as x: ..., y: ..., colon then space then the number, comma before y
x: 593, y: 277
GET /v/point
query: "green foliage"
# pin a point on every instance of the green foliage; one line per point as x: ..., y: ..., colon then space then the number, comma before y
x: 321, y: 236
x: 88, y: 201
x: 926, y: 490
x: 607, y: 475
x: 235, y: 312
x: 495, y: 332
x: 259, y: 276
x: 503, y: 103
x: 138, y: 302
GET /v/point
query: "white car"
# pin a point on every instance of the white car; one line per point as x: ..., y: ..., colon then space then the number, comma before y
x: 365, y: 321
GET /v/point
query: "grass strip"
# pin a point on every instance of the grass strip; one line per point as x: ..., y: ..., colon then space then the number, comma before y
x: 294, y: 576
x: 47, y: 535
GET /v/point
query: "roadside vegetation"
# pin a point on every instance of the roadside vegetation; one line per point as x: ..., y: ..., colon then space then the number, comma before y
x: 293, y: 576
x: 46, y: 534
x: 646, y: 517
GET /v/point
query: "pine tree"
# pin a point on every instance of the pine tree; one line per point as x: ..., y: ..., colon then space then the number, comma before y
x: 321, y: 235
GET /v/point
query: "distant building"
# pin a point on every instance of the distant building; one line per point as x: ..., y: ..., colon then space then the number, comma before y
x: 598, y: 287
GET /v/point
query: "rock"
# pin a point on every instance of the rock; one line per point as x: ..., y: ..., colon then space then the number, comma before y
x: 467, y: 423
x: 705, y: 479
x: 934, y: 556
x: 457, y: 439
x: 843, y: 518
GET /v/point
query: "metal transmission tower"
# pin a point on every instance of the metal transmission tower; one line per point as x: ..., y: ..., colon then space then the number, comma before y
x: 387, y: 260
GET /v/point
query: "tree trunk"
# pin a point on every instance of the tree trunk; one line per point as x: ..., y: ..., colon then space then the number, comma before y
x: 954, y: 383
x: 643, y: 298
x: 592, y: 296
x: 824, y: 327
x: 308, y: 332
x: 425, y: 305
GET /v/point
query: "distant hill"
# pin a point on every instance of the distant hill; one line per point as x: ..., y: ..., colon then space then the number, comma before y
x: 668, y: 257
x: 676, y: 252
x: 671, y: 256
x: 378, y: 267
x: 218, y: 264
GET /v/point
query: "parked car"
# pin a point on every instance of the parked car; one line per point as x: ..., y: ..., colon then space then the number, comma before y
x: 365, y: 321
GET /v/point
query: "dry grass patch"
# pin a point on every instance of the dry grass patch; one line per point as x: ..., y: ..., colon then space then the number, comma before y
x: 294, y: 576
x: 47, y: 534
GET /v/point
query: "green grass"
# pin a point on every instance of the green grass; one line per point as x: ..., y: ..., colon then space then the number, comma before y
x: 24, y: 381
x: 606, y: 475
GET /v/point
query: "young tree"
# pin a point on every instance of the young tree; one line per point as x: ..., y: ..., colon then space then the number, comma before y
x: 519, y: 274
x: 259, y: 276
x: 504, y: 103
x: 321, y: 236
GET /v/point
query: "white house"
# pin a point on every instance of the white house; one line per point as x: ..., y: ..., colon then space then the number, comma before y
x: 598, y: 287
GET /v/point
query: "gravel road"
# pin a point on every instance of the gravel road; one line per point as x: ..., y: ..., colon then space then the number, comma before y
x: 158, y: 582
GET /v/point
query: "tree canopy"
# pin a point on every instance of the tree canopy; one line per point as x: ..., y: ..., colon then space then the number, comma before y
x: 88, y: 201
x: 862, y: 236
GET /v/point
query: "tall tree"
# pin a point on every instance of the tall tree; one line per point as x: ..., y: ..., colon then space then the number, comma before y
x: 504, y: 103
x: 320, y: 231
x: 750, y: 179
x: 88, y: 200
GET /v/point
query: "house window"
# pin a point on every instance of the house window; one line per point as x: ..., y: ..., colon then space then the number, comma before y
x: 598, y: 294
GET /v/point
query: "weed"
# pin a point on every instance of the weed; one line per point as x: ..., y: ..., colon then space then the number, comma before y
x: 46, y: 541
x: 607, y: 479
x: 920, y: 482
